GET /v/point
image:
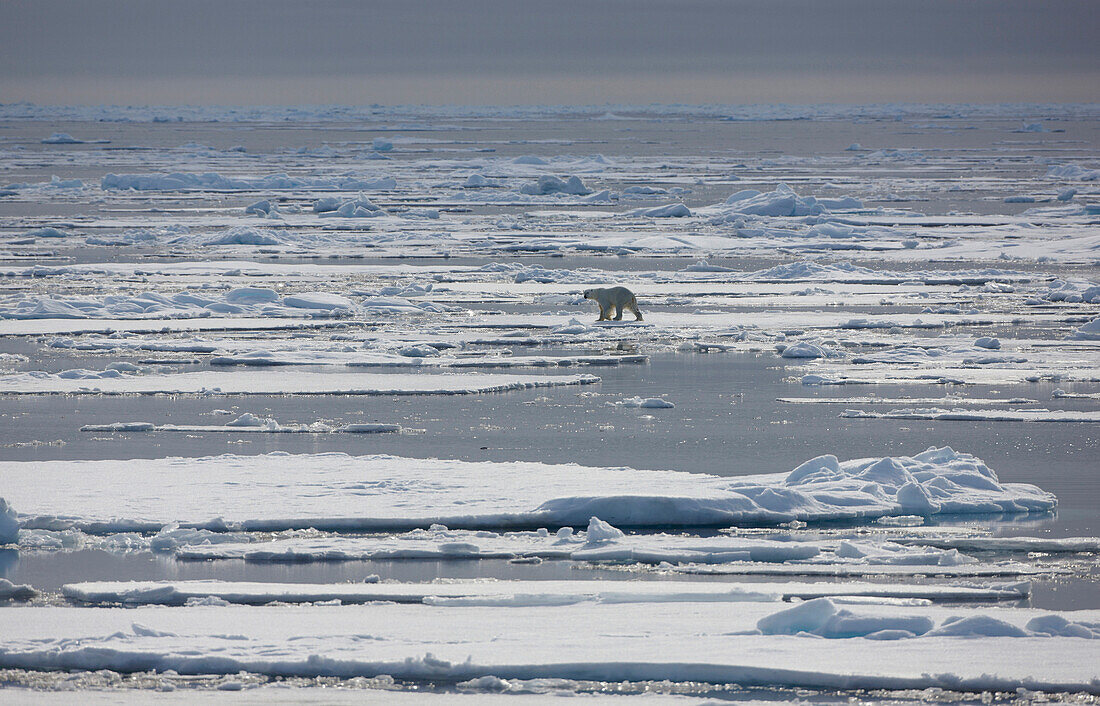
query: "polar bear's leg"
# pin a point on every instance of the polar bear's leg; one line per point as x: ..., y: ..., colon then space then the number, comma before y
x: 603, y: 312
x: 633, y: 306
x: 618, y: 311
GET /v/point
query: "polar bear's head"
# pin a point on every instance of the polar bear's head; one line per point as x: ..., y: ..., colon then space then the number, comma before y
x: 589, y: 294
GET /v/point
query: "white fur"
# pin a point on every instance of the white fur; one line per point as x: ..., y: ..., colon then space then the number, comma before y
x: 618, y: 298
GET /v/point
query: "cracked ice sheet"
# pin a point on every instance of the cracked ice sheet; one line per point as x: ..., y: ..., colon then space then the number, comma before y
x: 949, y: 375
x: 524, y: 593
x: 251, y: 382
x: 38, y: 327
x: 457, y: 544
x: 339, y: 492
x: 374, y: 359
x: 971, y: 415
x: 853, y: 570
x: 646, y: 548
x: 610, y: 642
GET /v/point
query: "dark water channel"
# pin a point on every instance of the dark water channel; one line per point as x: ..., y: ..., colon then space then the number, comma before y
x: 726, y: 422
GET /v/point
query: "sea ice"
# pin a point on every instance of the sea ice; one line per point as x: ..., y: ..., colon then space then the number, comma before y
x: 603, y: 641
x: 218, y: 491
x: 260, y: 383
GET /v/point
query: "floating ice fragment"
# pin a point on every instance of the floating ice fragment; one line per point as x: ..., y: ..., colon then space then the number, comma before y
x: 600, y: 531
x: 646, y: 403
x: 248, y: 420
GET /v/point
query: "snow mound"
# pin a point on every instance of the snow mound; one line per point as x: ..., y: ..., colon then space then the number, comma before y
x: 548, y: 184
x: 781, y: 202
x: 245, y: 235
x: 251, y: 295
x: 821, y: 617
x: 808, y: 350
x: 323, y: 301
x: 360, y: 207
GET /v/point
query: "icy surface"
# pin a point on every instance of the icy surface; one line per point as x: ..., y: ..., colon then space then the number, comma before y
x: 260, y: 383
x: 590, y: 640
x: 519, y: 593
x: 383, y: 492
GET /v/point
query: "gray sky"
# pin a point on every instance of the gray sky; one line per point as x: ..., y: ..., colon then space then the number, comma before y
x: 548, y: 51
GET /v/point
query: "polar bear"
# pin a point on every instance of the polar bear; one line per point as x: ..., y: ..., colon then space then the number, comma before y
x: 618, y: 297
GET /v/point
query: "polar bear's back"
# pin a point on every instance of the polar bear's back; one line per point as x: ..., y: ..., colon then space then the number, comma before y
x: 612, y: 295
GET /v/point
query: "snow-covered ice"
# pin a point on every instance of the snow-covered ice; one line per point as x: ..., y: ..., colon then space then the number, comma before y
x: 521, y: 593
x: 356, y: 493
x: 705, y: 641
x: 250, y: 382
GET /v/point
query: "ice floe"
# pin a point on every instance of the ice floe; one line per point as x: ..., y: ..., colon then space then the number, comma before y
x: 1019, y: 648
x: 249, y: 382
x: 356, y: 493
x: 519, y: 593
